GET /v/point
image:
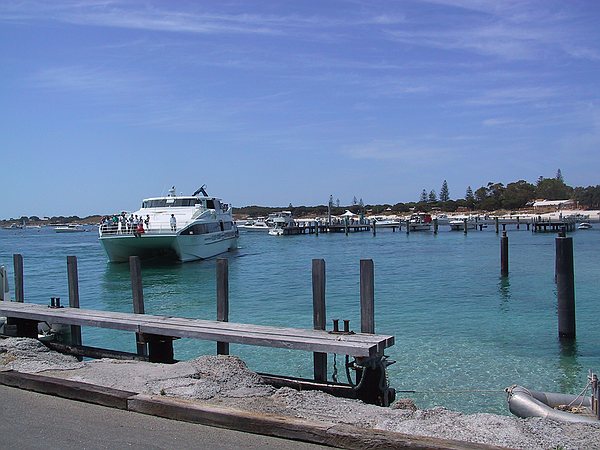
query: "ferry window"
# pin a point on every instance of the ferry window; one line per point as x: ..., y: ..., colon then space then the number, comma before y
x: 210, y: 204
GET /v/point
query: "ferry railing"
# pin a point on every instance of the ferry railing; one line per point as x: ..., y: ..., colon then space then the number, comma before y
x: 153, y: 229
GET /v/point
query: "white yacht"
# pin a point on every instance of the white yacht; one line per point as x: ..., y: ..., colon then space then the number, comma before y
x: 259, y: 224
x: 279, y: 221
x: 385, y: 221
x: 458, y: 223
x: 181, y: 228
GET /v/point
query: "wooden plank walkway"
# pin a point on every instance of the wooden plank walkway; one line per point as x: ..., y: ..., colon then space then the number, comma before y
x: 357, y: 345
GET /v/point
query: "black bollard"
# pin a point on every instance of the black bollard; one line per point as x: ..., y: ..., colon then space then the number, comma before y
x: 504, y: 254
x: 565, y: 286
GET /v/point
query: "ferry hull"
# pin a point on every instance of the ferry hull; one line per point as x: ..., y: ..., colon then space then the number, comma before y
x: 174, y: 247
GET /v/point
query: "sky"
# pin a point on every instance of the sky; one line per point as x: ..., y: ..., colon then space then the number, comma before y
x: 106, y: 102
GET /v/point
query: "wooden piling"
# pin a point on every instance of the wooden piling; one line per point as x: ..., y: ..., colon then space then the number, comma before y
x: 435, y: 226
x: 465, y: 226
x: 407, y: 226
x: 496, y: 222
x: 3, y: 283
x: 374, y: 226
x: 367, y: 296
x: 73, y: 279
x: 135, y: 270
x: 222, y: 299
x: 317, y: 223
x: 319, y: 315
x: 518, y: 223
x: 504, y: 254
x: 18, y: 268
x: 565, y: 286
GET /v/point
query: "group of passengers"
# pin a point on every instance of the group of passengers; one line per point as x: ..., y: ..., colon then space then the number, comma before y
x: 121, y: 224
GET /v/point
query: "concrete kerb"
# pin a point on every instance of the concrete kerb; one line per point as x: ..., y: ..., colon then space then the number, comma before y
x: 324, y: 433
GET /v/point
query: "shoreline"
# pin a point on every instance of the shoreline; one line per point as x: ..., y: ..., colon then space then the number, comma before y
x: 226, y: 382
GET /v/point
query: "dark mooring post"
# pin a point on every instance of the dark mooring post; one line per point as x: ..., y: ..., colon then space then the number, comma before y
x: 504, y: 254
x: 374, y: 226
x: 565, y: 286
x: 135, y: 270
x: 73, y: 280
x: 407, y: 226
x: 497, y: 223
x: 465, y: 226
x: 319, y: 315
x: 18, y: 267
x: 223, y: 300
x: 435, y: 226
x: 367, y: 296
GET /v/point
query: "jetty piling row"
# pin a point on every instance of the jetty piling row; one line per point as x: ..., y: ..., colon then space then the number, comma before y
x: 155, y: 334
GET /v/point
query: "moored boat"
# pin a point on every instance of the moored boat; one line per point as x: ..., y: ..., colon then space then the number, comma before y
x: 458, y: 223
x: 279, y: 222
x: 259, y: 224
x: 69, y: 228
x: 181, y: 228
x: 420, y: 222
x: 584, y: 226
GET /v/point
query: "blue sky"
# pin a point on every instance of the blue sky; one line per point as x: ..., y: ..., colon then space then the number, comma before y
x: 277, y: 102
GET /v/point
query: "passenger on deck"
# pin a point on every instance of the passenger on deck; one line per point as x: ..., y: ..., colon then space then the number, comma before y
x: 173, y: 222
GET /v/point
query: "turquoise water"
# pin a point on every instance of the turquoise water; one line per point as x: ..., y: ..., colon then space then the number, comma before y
x: 462, y: 332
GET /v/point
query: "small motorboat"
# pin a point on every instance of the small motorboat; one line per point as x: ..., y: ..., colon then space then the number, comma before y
x: 523, y: 402
x: 584, y: 226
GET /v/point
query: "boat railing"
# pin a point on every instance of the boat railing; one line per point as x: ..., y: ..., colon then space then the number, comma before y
x: 153, y: 229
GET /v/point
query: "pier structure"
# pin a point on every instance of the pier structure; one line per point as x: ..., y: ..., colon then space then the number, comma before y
x: 155, y: 334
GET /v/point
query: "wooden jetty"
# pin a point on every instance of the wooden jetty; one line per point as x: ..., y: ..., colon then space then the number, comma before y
x: 553, y: 225
x: 318, y: 227
x: 155, y: 334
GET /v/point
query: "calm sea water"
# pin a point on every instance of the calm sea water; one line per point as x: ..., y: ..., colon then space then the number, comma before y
x: 462, y: 332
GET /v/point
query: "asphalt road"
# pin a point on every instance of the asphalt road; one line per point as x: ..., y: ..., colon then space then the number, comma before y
x: 29, y: 420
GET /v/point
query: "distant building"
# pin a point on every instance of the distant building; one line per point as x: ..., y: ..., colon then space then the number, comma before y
x: 553, y: 204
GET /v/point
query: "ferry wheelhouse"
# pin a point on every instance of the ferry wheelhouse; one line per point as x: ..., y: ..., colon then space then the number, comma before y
x: 180, y: 228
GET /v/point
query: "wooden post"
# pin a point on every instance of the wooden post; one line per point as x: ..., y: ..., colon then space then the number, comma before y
x: 565, y: 286
x: 223, y: 300
x: 367, y: 296
x: 73, y: 279
x: 135, y: 269
x: 496, y: 222
x: 504, y: 254
x: 319, y: 315
x: 3, y: 283
x: 346, y: 226
x: 18, y: 265
x: 435, y: 225
x: 317, y: 227
x: 465, y: 225
x: 518, y: 223
x: 407, y: 226
x: 374, y: 228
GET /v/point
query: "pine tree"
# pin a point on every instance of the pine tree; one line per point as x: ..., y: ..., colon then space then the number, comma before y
x: 444, y: 193
x: 423, y: 198
x: 469, y: 195
x: 432, y: 197
x: 559, y: 176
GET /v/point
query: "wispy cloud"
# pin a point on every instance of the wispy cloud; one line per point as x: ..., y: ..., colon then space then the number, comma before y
x: 93, y: 80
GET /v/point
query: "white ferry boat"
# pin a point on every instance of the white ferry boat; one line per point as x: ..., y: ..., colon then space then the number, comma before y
x: 181, y: 228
